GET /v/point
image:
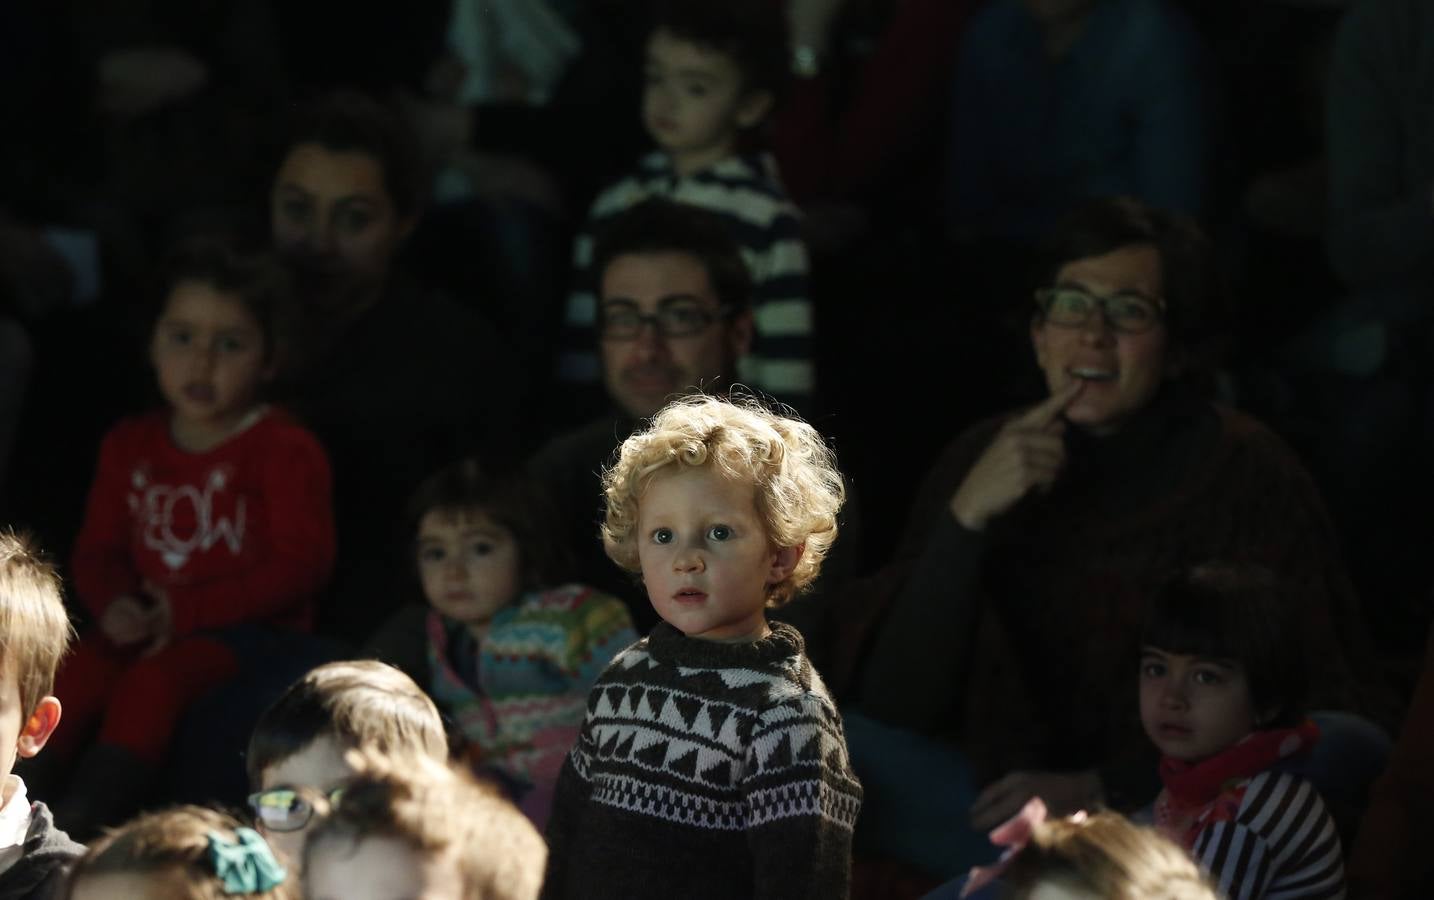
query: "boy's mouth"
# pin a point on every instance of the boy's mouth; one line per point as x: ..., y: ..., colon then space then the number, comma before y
x: 689, y: 595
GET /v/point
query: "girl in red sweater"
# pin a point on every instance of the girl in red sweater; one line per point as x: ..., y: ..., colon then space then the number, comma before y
x: 208, y: 521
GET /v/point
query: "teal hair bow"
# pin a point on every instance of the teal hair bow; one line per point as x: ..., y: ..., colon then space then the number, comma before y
x: 245, y: 866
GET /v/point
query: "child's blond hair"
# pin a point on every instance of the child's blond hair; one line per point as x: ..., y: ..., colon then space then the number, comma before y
x: 1108, y: 857
x: 442, y: 813
x: 173, y: 843
x: 798, y: 488
x: 35, y: 630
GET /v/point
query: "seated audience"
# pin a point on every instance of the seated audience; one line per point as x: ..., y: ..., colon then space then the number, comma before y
x: 297, y: 750
x: 208, y: 527
x: 419, y: 829
x: 1009, y: 620
x: 713, y: 72
x: 184, y: 853
x: 34, y: 632
x: 395, y: 380
x: 1222, y: 685
x: 507, y: 649
x: 1081, y: 857
x: 674, y: 268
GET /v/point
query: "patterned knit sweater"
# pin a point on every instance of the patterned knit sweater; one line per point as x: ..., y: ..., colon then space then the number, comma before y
x: 705, y: 771
x: 518, y: 696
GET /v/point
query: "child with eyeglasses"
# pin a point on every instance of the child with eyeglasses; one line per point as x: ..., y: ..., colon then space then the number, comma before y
x: 185, y: 853
x: 415, y: 828
x: 296, y: 754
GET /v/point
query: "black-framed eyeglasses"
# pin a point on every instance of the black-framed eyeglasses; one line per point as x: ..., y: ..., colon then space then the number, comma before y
x: 289, y: 809
x: 621, y: 320
x: 1073, y: 307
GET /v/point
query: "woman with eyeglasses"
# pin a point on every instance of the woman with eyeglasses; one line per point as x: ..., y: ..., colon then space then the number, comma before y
x: 1010, y: 619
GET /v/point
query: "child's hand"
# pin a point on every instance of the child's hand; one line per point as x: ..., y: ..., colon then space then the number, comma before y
x: 1027, y: 454
x: 1064, y: 793
x: 125, y: 621
x: 160, y: 618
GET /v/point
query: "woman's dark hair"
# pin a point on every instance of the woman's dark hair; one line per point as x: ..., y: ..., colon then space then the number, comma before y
x: 511, y: 499
x: 246, y: 270
x: 351, y: 122
x: 753, y: 33
x: 662, y: 226
x: 1242, y: 613
x: 1190, y: 279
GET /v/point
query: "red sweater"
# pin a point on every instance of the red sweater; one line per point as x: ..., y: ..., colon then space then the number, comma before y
x: 242, y: 533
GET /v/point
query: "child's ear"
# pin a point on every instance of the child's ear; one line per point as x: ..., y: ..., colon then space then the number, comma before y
x: 784, y: 562
x: 753, y: 108
x: 41, y: 724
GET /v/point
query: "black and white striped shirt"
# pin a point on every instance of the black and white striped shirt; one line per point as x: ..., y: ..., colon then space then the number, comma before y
x: 767, y: 228
x: 1279, y: 845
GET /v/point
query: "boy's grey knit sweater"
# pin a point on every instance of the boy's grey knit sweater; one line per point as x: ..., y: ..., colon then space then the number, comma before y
x: 706, y: 770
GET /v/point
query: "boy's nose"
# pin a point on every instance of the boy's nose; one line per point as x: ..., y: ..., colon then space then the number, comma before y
x: 689, y: 560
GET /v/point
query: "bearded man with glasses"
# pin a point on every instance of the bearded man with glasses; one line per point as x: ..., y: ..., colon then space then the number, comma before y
x: 674, y: 315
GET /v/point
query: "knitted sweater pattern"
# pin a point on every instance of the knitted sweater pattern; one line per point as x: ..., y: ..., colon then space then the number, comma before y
x: 521, y: 710
x: 706, y: 770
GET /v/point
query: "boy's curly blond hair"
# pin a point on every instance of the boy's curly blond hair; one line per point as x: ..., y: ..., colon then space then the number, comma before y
x: 798, y: 488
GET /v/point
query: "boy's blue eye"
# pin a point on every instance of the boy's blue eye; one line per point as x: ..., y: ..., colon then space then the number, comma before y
x: 481, y: 548
x: 431, y: 554
x: 719, y: 533
x: 662, y: 536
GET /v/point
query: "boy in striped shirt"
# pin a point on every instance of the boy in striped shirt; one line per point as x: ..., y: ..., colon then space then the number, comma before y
x: 1222, y: 677
x: 713, y: 71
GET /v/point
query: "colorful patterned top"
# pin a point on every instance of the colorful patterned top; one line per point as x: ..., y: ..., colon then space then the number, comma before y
x: 519, y: 696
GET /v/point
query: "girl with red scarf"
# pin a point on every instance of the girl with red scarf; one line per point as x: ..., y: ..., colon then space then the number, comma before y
x: 1222, y: 680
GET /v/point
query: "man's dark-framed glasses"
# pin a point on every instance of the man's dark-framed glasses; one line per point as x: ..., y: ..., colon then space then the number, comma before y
x: 289, y: 809
x: 675, y: 317
x: 1073, y: 307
